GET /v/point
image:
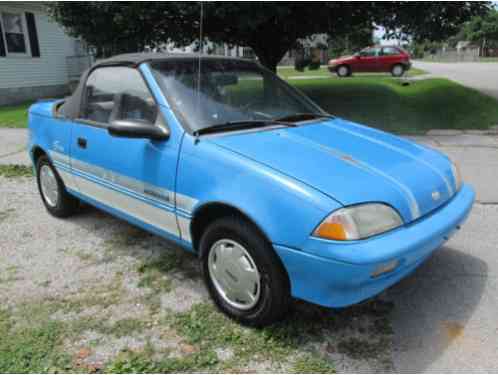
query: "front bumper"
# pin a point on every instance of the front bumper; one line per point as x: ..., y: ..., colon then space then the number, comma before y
x: 337, y: 274
x: 332, y: 68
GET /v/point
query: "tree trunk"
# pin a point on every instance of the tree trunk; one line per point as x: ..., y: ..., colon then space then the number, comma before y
x: 270, y: 55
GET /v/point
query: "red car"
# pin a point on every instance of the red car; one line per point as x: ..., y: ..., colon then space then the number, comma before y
x: 372, y: 59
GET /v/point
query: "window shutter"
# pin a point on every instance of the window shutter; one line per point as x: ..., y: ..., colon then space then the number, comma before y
x: 32, y: 34
x: 2, y: 45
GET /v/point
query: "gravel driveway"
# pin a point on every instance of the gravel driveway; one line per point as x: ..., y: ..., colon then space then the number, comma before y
x: 480, y: 76
x: 118, y: 296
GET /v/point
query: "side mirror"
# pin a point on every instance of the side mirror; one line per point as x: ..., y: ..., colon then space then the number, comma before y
x: 136, y: 129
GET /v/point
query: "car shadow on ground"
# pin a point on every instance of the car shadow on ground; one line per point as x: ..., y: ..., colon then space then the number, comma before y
x: 433, y: 307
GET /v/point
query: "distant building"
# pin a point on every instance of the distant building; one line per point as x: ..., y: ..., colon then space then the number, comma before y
x: 465, y: 45
x: 37, y: 58
x: 220, y: 49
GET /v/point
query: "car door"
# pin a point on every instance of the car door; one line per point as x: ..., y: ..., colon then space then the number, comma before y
x: 367, y: 60
x: 388, y: 57
x: 133, y: 178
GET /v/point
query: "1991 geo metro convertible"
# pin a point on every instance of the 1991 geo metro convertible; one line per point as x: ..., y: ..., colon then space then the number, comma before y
x: 278, y: 198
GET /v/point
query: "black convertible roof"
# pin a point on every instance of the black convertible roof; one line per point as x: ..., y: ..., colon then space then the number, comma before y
x: 71, y: 108
x: 136, y: 59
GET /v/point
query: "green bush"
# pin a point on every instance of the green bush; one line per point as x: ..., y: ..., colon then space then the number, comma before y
x: 300, y: 63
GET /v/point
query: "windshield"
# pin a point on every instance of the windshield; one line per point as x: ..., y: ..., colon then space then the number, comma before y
x: 230, y: 91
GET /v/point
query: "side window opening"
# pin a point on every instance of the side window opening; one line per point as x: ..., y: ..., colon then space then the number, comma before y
x: 390, y: 51
x: 369, y: 52
x: 118, y: 93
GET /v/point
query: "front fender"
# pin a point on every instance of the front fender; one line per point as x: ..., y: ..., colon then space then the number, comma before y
x: 285, y: 209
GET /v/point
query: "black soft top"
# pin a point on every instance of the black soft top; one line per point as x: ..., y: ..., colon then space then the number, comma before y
x: 71, y: 108
x: 135, y: 59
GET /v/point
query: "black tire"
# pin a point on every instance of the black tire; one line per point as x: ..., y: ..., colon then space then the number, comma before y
x: 274, y: 297
x: 343, y: 71
x: 66, y: 204
x: 397, y: 70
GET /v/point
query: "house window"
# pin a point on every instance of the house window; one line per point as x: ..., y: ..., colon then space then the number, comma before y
x: 14, y: 32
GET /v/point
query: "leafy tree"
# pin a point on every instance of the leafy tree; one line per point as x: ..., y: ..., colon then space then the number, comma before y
x: 348, y: 44
x: 119, y: 27
x: 269, y: 28
x: 483, y: 29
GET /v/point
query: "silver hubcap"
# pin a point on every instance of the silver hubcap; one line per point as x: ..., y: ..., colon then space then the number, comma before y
x: 234, y: 274
x: 343, y: 71
x: 49, y: 186
x: 397, y: 70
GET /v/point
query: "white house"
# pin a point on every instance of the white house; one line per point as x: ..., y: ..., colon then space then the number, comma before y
x: 37, y: 59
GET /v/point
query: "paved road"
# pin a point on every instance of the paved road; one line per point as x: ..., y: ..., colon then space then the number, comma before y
x: 445, y: 314
x: 481, y: 76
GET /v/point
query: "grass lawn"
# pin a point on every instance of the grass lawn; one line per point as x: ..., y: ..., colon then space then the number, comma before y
x: 289, y: 72
x: 382, y: 102
x: 14, y: 116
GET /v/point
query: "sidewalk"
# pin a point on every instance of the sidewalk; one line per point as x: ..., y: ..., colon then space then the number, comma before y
x: 13, y: 146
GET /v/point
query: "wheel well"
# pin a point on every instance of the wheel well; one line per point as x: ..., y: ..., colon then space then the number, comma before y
x: 211, y: 212
x: 37, y: 152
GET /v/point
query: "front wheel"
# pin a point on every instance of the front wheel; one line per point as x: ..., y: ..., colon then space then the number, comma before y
x: 244, y: 276
x: 397, y: 70
x: 343, y: 71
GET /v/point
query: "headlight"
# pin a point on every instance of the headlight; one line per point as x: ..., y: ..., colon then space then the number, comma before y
x: 457, y: 176
x: 358, y: 222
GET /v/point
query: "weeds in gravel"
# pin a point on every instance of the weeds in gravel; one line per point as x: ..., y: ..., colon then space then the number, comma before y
x: 15, y: 170
x: 312, y: 365
x: 153, y: 272
x: 9, y: 275
x: 126, y: 327
x: 6, y: 214
x: 132, y: 362
x: 31, y: 349
x: 205, y: 327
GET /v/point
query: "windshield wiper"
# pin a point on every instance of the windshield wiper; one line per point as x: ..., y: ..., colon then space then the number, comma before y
x: 237, y: 125
x: 304, y: 116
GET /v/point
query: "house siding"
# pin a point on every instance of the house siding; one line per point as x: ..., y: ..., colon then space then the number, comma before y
x: 45, y: 74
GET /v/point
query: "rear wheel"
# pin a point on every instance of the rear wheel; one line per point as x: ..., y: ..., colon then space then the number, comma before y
x: 397, y: 70
x: 52, y: 191
x: 243, y: 274
x: 343, y: 71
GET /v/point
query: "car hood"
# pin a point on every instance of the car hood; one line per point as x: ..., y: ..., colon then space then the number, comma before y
x: 352, y: 164
x: 341, y: 58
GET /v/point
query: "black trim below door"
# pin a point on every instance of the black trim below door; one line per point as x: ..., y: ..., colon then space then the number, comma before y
x: 32, y: 34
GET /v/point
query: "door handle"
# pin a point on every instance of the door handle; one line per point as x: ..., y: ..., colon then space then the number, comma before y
x: 82, y: 142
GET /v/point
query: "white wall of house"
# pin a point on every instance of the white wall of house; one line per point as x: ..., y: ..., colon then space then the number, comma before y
x: 20, y: 71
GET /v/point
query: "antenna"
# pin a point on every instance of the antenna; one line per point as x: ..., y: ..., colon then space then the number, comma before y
x: 201, y: 46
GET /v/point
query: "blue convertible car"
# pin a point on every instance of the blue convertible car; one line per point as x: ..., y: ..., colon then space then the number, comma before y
x: 278, y: 198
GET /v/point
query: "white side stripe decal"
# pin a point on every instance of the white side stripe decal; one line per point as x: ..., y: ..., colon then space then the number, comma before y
x: 118, y: 191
